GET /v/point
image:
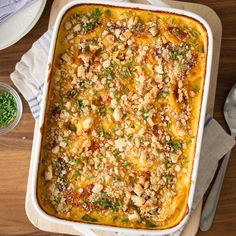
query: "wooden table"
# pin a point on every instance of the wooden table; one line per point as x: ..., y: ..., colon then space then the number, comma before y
x: 15, y: 147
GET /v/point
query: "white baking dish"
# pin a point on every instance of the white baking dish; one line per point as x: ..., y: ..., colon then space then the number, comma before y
x: 84, y: 227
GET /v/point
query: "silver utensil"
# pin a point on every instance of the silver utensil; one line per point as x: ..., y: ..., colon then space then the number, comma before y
x: 211, y: 203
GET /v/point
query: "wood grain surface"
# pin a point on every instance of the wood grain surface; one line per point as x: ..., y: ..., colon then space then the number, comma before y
x: 15, y: 147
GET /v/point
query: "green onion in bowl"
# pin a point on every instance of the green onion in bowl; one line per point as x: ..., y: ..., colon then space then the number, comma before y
x: 10, y: 108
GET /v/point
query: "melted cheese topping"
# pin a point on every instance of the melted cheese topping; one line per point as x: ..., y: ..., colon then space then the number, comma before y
x: 122, y: 117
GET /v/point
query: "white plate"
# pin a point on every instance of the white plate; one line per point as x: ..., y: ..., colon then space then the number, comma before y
x: 18, y: 25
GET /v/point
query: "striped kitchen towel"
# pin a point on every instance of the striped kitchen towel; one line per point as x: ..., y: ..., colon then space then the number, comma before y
x: 30, y: 72
x: 29, y: 76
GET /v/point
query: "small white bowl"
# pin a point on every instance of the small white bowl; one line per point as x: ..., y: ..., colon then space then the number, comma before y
x: 19, y: 109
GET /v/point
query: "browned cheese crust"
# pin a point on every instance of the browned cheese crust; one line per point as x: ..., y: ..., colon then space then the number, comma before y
x: 122, y: 117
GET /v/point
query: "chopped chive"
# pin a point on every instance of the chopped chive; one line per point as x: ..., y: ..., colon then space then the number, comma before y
x: 87, y: 217
x: 107, y: 12
x: 125, y: 90
x: 8, y: 108
x: 195, y: 33
x: 118, y: 178
x: 77, y: 162
x: 125, y: 165
x: 125, y: 219
x: 197, y: 89
x: 103, y: 111
x: 168, y: 124
x: 75, y: 189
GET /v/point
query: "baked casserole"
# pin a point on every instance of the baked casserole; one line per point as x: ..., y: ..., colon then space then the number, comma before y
x: 122, y: 117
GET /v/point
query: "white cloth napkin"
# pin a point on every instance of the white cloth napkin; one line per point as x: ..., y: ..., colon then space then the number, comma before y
x: 10, y: 7
x: 29, y: 76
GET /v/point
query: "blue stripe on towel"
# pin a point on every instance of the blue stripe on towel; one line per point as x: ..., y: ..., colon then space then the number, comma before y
x: 35, y: 102
x: 207, y: 120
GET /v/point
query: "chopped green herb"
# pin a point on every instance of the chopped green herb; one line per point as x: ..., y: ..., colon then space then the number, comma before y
x: 203, y: 49
x: 109, y: 72
x: 107, y: 85
x: 130, y: 137
x: 125, y: 219
x: 140, y: 138
x: 94, y: 93
x: 95, y: 19
x: 80, y: 105
x: 76, y: 173
x: 72, y: 93
x: 166, y: 161
x: 184, y: 159
x: 145, y: 113
x: 72, y: 177
x: 195, y: 33
x: 89, y: 218
x: 86, y: 48
x: 104, y: 133
x: 175, y: 144
x: 103, y: 111
x: 197, y: 89
x: 107, y: 12
x: 107, y: 202
x: 60, y: 106
x: 116, y: 95
x: 149, y: 224
x: 168, y: 124
x: 75, y: 189
x: 169, y: 178
x: 77, y: 162
x: 98, y: 165
x: 125, y: 90
x: 139, y: 27
x: 125, y: 165
x: 117, y: 178
x: 163, y: 95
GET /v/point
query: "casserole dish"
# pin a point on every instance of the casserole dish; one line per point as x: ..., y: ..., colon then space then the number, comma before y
x: 176, y: 145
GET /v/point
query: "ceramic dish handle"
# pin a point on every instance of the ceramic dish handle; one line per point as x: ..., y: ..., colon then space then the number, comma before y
x: 85, y: 230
